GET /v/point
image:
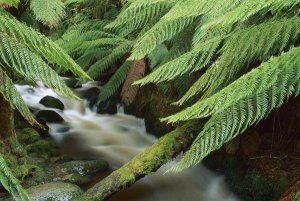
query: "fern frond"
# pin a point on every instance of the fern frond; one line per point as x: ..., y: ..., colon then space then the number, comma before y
x: 9, y: 3
x: 243, y: 48
x: 11, y: 184
x: 48, y: 12
x: 139, y: 13
x: 247, y: 108
x: 38, y: 44
x: 189, y: 62
x: 179, y: 17
x: 20, y: 59
x: 115, y: 82
x: 10, y: 93
x: 96, y: 69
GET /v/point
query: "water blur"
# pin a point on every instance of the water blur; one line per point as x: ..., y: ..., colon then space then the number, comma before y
x: 117, y: 139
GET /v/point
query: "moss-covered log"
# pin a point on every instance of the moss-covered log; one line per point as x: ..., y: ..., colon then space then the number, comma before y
x: 149, y: 161
x: 6, y: 118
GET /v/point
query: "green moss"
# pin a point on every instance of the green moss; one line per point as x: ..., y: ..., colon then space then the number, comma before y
x: 16, y: 147
x: 297, y: 197
x: 43, y: 147
x: 23, y: 171
x: 28, y: 135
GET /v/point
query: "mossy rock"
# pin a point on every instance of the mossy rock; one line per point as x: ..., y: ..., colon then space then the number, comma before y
x: 83, y: 167
x: 43, y: 147
x: 54, y: 191
x: 74, y: 178
x: 28, y: 135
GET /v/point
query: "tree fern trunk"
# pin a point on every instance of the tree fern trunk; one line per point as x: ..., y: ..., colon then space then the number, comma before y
x: 6, y: 119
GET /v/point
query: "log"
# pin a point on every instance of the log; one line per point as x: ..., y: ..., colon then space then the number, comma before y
x: 155, y: 156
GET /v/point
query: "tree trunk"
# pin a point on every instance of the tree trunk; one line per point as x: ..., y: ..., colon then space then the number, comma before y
x: 164, y: 150
x: 6, y: 119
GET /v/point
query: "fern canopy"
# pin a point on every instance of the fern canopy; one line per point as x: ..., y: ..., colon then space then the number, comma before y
x: 48, y: 12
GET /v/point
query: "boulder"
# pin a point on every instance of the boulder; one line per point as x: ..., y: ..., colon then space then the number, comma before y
x: 107, y: 107
x: 72, y: 83
x: 49, y: 116
x: 52, y: 102
x: 83, y: 167
x: 54, y: 191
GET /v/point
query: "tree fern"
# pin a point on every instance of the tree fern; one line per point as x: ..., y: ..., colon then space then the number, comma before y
x: 243, y: 48
x: 16, y: 56
x: 245, y: 108
x: 38, y: 43
x: 10, y: 183
x: 9, y: 3
x: 115, y: 82
x: 48, y: 12
x: 10, y: 93
x: 100, y: 66
x: 139, y: 13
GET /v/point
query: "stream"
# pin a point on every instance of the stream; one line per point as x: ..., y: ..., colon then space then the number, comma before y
x: 118, y: 138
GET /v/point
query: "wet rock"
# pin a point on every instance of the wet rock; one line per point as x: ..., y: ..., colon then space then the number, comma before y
x: 74, y: 178
x: 78, y: 172
x: 72, y: 83
x: 54, y: 191
x: 52, y: 102
x: 84, y: 167
x: 49, y: 116
x: 91, y: 95
x: 107, y: 107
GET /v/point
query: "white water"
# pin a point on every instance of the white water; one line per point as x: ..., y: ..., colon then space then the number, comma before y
x: 117, y: 138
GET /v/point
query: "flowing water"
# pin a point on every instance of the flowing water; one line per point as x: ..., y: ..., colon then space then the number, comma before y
x: 118, y: 138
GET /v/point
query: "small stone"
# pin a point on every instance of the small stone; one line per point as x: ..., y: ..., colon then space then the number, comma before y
x: 49, y: 116
x: 52, y: 102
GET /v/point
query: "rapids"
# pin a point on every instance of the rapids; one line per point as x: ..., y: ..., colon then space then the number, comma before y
x: 118, y: 138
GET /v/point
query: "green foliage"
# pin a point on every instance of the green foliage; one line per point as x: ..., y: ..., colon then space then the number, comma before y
x: 9, y: 3
x: 244, y: 56
x: 11, y: 183
x: 48, y: 12
x: 21, y: 52
x: 243, y: 49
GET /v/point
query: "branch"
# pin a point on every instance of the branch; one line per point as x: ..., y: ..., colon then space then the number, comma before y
x: 164, y: 150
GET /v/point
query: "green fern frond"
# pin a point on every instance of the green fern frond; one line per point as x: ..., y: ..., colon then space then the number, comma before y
x: 187, y: 63
x: 10, y: 183
x: 9, y: 3
x: 243, y: 48
x: 247, y: 108
x: 96, y: 69
x: 10, y: 93
x: 115, y: 82
x: 177, y: 19
x: 139, y: 13
x: 21, y: 60
x: 48, y: 12
x: 38, y: 44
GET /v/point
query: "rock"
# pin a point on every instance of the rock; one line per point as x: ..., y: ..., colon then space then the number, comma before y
x: 72, y: 83
x: 54, y: 191
x: 78, y: 172
x: 91, y: 95
x: 74, y: 178
x: 84, y: 167
x: 28, y: 135
x: 107, y: 107
x: 52, y: 102
x: 49, y: 116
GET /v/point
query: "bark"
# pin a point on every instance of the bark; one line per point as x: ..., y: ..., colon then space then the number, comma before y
x: 6, y: 119
x: 164, y: 150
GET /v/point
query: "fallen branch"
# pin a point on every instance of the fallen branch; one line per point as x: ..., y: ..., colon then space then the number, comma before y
x: 164, y: 150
